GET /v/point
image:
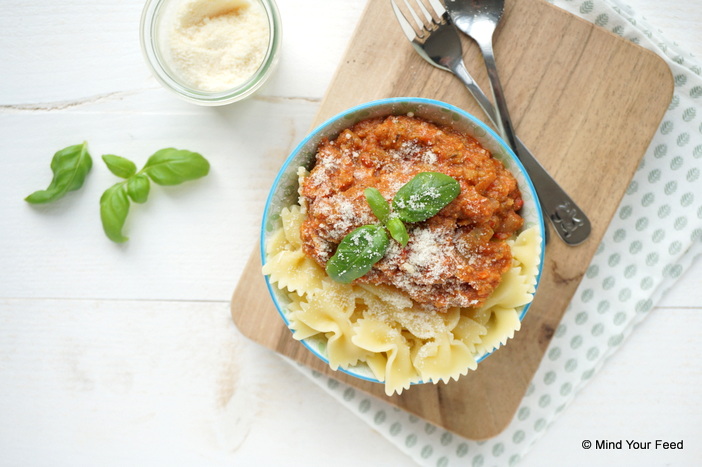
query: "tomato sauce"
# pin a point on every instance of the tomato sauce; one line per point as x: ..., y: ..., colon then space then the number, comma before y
x: 455, y: 258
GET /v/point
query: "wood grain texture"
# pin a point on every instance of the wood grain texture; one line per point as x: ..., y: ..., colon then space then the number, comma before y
x: 586, y: 102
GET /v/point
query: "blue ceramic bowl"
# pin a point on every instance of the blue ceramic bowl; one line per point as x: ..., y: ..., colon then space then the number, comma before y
x: 284, y: 192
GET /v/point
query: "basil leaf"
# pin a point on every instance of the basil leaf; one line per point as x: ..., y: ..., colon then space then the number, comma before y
x: 357, y: 253
x: 114, y: 207
x: 174, y: 166
x: 398, y: 231
x: 70, y: 167
x: 424, y: 196
x: 377, y: 203
x: 138, y: 188
x: 119, y: 166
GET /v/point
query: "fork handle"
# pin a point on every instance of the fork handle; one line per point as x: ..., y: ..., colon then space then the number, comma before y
x: 568, y: 220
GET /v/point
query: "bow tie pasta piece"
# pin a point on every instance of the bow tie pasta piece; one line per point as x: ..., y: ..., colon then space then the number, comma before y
x: 300, y: 329
x: 288, y: 266
x: 504, y: 322
x: 444, y: 358
x: 292, y: 218
x: 513, y: 291
x: 387, y: 341
x: 469, y: 331
x: 388, y: 295
x: 293, y: 271
x: 328, y: 311
x: 523, y: 255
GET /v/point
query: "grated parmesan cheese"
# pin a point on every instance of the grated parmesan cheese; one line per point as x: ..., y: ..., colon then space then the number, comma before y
x: 215, y: 45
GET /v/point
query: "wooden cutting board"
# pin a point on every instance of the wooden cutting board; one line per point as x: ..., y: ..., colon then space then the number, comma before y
x: 585, y: 101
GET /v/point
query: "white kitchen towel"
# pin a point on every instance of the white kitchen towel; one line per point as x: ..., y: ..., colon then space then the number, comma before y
x: 655, y: 235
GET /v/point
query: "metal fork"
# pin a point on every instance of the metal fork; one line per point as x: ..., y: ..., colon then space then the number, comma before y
x: 437, y: 41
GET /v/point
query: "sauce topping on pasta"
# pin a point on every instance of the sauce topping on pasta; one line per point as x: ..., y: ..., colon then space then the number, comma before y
x: 455, y: 258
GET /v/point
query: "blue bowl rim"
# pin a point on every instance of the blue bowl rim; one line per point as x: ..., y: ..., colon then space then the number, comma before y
x: 371, y: 104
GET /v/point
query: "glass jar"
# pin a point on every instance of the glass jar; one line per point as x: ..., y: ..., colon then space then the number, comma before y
x: 158, y: 19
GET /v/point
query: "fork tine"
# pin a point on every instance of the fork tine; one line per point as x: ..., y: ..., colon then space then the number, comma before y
x: 420, y: 24
x: 404, y: 23
x: 439, y: 9
x: 423, y: 9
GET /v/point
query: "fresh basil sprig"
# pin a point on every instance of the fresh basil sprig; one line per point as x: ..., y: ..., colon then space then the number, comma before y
x: 416, y: 201
x: 70, y: 166
x: 166, y: 167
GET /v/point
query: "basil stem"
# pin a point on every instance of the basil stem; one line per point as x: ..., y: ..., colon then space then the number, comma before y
x: 70, y: 167
x: 172, y: 166
x: 377, y: 203
x: 357, y: 253
x: 114, y: 207
x: 424, y: 196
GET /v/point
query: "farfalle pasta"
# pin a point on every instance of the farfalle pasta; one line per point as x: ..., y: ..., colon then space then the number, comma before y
x: 380, y: 327
x: 429, y: 310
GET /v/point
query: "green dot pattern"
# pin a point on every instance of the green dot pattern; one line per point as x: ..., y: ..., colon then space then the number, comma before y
x: 655, y: 234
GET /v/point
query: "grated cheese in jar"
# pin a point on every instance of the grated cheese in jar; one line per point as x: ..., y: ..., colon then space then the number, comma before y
x: 216, y: 45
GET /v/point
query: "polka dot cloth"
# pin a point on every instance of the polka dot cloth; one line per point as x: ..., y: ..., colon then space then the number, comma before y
x: 655, y: 235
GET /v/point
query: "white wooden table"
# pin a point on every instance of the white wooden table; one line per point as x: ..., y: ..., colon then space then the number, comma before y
x: 126, y: 354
